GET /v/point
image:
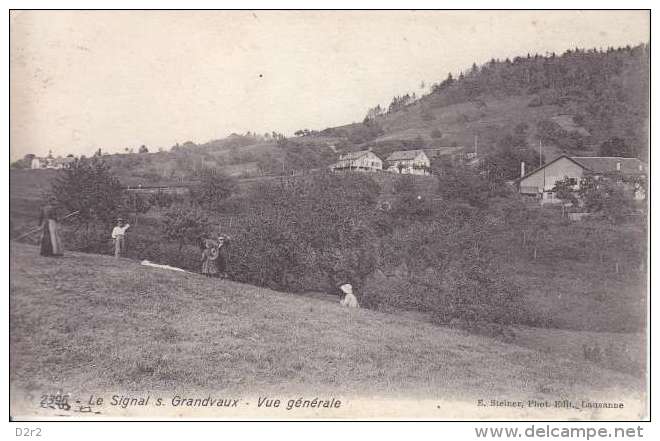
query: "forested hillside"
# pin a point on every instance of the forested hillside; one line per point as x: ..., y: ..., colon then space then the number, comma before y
x: 584, y: 102
x: 573, y: 102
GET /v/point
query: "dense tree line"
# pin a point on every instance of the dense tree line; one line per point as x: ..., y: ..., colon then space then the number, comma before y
x: 607, y: 90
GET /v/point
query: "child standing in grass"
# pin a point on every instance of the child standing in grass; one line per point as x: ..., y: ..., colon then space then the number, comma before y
x: 349, y: 300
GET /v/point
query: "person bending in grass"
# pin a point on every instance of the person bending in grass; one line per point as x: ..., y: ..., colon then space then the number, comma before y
x: 349, y: 300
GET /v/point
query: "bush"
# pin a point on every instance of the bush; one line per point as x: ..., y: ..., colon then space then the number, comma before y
x: 447, y: 267
x: 467, y: 185
x: 607, y: 197
x: 213, y: 188
x: 307, y: 234
x: 185, y: 225
x: 476, y: 292
x: 90, y: 188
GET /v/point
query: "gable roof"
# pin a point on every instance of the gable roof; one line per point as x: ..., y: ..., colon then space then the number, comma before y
x: 403, y: 155
x: 351, y: 156
x: 599, y: 164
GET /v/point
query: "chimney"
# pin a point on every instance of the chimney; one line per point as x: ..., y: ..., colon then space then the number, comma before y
x: 368, y: 149
x: 618, y: 166
x: 522, y: 169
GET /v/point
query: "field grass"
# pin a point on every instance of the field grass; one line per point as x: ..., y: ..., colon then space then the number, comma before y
x: 581, y: 296
x: 91, y: 324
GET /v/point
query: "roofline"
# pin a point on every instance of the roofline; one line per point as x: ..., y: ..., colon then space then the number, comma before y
x: 575, y: 160
x: 605, y: 157
x: 361, y: 153
x: 419, y: 151
x: 552, y: 162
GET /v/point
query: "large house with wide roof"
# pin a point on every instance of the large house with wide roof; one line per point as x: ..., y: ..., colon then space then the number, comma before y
x: 364, y: 160
x: 541, y: 181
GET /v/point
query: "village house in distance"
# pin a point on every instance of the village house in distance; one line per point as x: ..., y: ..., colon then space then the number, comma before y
x: 364, y: 160
x: 50, y: 162
x: 413, y: 162
x: 410, y: 162
x: 541, y: 182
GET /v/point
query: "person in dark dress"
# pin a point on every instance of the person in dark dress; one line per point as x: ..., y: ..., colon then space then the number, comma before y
x: 222, y: 260
x: 51, y: 241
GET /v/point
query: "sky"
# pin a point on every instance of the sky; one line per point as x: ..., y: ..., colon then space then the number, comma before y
x: 83, y: 80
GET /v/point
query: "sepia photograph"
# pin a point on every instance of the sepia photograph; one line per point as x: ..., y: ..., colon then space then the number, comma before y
x: 353, y: 215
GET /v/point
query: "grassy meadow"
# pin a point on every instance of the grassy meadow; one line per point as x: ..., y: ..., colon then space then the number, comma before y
x: 91, y: 324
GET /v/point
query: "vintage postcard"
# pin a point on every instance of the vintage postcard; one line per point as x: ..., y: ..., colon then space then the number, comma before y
x: 329, y: 215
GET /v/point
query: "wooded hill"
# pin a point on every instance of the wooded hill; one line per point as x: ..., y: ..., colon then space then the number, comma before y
x: 573, y: 102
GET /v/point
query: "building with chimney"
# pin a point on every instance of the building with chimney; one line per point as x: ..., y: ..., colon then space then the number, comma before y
x: 541, y: 181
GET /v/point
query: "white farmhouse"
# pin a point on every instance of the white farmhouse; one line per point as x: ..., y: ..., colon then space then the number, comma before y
x: 364, y: 160
x: 37, y: 163
x: 411, y: 162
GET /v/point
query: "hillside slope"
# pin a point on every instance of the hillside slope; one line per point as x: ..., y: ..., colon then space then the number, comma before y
x: 91, y: 324
x: 573, y: 102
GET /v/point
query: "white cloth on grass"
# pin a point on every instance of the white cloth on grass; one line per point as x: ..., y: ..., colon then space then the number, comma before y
x: 157, y: 265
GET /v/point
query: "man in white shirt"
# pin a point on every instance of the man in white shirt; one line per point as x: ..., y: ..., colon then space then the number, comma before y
x: 118, y: 233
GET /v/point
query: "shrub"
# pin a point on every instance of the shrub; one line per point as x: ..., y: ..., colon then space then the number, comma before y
x: 185, y: 225
x: 90, y: 188
x: 605, y: 196
x: 467, y: 185
x: 307, y: 234
x: 213, y: 189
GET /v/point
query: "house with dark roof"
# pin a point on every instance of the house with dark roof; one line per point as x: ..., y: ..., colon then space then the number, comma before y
x: 541, y: 181
x: 411, y: 162
x: 364, y: 160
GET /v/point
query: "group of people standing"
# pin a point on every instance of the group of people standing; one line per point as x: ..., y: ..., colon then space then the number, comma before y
x: 214, y: 250
x: 51, y: 244
x: 214, y: 256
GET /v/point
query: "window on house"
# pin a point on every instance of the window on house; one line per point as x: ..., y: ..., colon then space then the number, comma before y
x: 572, y: 181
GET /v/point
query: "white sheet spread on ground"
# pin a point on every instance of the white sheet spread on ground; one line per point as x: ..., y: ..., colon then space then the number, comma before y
x: 156, y: 265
